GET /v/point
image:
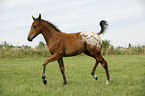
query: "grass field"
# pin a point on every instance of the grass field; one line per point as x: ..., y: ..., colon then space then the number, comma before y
x: 22, y: 77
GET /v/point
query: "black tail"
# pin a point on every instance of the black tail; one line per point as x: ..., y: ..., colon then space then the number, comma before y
x: 103, y: 25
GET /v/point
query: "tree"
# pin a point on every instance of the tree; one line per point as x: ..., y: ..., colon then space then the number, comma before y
x: 129, y: 46
x: 5, y: 44
x: 106, y: 43
x: 41, y: 45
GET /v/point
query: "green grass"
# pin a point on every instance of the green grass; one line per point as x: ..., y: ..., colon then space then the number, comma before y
x: 22, y: 77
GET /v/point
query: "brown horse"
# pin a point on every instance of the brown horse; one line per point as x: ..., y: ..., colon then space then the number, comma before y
x: 63, y: 45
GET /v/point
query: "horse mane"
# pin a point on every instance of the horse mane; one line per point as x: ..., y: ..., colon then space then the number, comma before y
x: 55, y: 27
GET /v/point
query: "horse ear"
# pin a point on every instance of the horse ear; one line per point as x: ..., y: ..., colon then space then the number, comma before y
x: 39, y: 17
x: 33, y: 18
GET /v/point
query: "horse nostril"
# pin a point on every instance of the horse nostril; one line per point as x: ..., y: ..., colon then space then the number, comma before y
x: 29, y: 39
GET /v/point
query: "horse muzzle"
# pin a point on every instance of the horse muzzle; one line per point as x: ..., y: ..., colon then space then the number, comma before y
x: 29, y: 39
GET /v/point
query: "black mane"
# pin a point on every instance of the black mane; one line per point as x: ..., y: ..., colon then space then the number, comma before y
x: 52, y: 25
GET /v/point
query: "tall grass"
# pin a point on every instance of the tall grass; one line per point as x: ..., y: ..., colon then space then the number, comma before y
x: 136, y: 50
x: 24, y: 52
x: 7, y: 50
x: 109, y: 49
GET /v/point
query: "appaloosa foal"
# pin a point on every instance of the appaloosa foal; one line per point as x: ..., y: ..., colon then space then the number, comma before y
x: 63, y: 45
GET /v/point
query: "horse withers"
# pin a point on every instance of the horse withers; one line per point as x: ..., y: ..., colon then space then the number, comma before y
x: 64, y: 45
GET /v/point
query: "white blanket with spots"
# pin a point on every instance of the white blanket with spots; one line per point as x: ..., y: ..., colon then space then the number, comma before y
x: 91, y: 38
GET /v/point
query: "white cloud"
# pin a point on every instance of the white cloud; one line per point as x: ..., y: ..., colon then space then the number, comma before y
x: 72, y: 16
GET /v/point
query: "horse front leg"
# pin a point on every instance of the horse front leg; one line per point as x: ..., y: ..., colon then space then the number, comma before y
x: 54, y: 57
x: 62, y: 70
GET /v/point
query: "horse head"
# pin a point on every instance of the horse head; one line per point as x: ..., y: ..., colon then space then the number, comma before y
x: 36, y: 28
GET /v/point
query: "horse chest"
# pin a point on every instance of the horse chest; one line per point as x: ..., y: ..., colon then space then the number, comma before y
x: 91, y: 38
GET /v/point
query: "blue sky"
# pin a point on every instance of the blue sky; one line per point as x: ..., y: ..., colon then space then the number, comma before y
x: 126, y: 19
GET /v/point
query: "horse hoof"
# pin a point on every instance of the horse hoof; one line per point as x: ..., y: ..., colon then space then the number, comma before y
x: 96, y: 78
x: 107, y: 82
x: 44, y: 81
x: 64, y: 83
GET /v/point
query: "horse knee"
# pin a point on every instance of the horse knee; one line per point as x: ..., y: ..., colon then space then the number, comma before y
x: 45, y: 63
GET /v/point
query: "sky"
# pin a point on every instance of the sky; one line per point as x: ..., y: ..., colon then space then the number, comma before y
x: 126, y: 19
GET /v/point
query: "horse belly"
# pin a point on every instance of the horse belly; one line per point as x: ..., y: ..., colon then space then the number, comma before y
x: 74, y: 48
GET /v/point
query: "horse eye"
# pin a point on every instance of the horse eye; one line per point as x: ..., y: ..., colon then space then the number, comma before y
x: 34, y: 26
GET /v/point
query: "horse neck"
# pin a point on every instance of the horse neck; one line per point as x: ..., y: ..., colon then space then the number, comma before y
x: 49, y: 33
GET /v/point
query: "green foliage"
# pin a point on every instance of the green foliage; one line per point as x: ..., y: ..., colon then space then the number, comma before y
x: 5, y: 45
x: 129, y: 46
x: 106, y: 43
x: 22, y: 77
x: 41, y: 45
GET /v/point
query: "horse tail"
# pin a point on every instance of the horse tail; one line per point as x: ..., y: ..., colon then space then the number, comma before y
x: 103, y: 25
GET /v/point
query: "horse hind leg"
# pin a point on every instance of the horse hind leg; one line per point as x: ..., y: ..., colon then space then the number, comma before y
x: 95, y: 66
x: 99, y: 59
x: 94, y: 69
x: 105, y: 66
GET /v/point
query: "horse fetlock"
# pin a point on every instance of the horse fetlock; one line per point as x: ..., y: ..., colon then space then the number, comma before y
x: 109, y: 78
x: 43, y: 76
x: 92, y: 73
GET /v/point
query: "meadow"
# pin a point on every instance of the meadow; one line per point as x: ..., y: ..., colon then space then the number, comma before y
x: 21, y: 76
